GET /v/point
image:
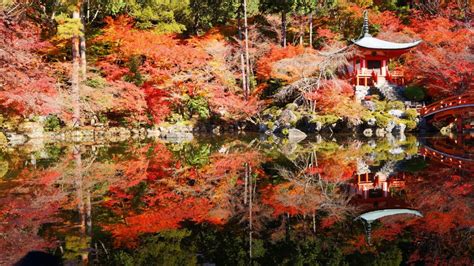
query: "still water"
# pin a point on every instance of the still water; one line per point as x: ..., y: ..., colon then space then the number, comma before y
x: 240, y: 200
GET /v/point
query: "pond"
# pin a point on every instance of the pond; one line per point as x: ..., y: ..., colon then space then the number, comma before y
x: 240, y: 200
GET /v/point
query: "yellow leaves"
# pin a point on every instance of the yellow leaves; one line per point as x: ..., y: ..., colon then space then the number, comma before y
x: 68, y: 27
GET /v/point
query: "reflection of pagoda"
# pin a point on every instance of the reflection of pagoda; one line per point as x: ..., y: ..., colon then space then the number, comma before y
x: 372, y: 189
x: 373, y: 195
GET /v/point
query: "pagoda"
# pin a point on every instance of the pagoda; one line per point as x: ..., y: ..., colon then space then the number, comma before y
x: 370, y: 65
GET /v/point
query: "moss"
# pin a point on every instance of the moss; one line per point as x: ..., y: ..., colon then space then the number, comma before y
x: 270, y: 124
x: 382, y: 120
x: 3, y: 139
x: 325, y: 119
x: 53, y: 123
x: 395, y: 105
x: 367, y: 117
x: 409, y: 123
x: 96, y: 82
x: 411, y: 114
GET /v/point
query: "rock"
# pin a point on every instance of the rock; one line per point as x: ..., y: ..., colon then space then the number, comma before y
x: 31, y: 129
x: 216, y: 130
x: 371, y: 121
x: 289, y: 149
x: 400, y: 129
x: 177, y: 137
x: 318, y: 126
x: 445, y: 131
x: 361, y: 92
x: 291, y: 106
x: 153, y: 132
x: 390, y: 126
x: 369, y: 105
x: 380, y: 132
x: 295, y: 135
x: 287, y: 118
x: 397, y: 150
x: 76, y: 135
x: 368, y: 132
x: 396, y: 113
x: 16, y: 139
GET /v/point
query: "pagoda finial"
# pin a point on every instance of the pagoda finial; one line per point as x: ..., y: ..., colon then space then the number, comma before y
x: 365, y: 27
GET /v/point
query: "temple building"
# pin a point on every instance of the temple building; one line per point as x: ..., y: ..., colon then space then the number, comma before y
x: 370, y: 65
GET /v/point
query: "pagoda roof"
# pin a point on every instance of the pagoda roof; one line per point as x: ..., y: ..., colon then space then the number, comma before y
x: 370, y: 42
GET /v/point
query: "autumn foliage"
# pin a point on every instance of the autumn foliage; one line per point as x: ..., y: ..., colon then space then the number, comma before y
x: 27, y: 84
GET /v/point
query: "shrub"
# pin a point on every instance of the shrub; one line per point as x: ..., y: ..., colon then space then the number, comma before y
x: 411, y: 114
x: 52, y: 123
x: 325, y: 119
x: 415, y: 93
x: 96, y: 82
x: 395, y: 105
x: 381, y: 119
x: 200, y: 106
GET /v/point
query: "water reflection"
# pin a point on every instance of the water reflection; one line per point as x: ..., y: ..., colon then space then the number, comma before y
x: 242, y: 200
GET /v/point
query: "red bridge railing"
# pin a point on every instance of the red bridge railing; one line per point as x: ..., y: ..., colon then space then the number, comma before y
x: 448, y: 104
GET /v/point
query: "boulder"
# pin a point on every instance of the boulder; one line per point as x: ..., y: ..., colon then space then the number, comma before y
x: 372, y: 121
x: 153, y: 132
x: 390, y: 126
x: 287, y: 118
x: 369, y: 105
x: 380, y: 132
x: 295, y: 135
x: 396, y: 113
x: 368, y: 132
x: 400, y: 128
x: 16, y: 139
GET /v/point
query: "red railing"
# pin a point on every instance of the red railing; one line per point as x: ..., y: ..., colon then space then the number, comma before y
x: 448, y: 103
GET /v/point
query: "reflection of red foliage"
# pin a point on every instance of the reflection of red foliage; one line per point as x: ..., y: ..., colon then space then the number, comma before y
x: 167, y: 215
x: 30, y: 203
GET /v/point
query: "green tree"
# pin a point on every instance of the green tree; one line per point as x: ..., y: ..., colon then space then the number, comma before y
x: 279, y: 6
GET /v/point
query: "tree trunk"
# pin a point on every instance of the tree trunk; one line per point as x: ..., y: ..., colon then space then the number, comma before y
x: 301, y: 31
x: 244, y: 76
x: 247, y: 59
x: 283, y: 28
x: 75, y: 81
x: 311, y: 29
x: 82, y: 46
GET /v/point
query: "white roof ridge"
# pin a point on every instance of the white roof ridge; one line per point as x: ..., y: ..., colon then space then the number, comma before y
x: 370, y: 42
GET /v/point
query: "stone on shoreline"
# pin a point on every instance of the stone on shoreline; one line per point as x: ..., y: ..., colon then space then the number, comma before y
x: 295, y: 135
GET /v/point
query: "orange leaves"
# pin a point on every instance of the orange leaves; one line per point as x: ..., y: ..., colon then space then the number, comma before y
x: 276, y: 53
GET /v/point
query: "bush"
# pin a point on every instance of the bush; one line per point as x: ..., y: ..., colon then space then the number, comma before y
x: 325, y: 119
x: 199, y: 105
x: 96, y: 82
x: 415, y: 93
x: 381, y: 119
x: 52, y: 123
x: 411, y: 114
x: 397, y: 105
